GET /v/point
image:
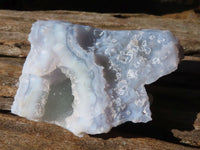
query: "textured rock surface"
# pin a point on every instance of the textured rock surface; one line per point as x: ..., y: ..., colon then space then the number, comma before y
x: 89, y: 80
x: 174, y: 107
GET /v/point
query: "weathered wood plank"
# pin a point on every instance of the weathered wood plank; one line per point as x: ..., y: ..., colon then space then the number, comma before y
x: 19, y: 133
x: 191, y: 58
x: 15, y: 26
x: 10, y: 70
x: 188, y: 137
x: 174, y: 107
x: 5, y: 103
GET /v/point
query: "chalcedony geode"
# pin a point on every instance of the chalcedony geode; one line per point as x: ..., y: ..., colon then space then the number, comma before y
x: 89, y: 80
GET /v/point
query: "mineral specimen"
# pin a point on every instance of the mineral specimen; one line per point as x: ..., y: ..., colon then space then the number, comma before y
x: 89, y: 80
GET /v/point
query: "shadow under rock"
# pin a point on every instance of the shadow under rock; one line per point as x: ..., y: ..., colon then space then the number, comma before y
x: 176, y: 102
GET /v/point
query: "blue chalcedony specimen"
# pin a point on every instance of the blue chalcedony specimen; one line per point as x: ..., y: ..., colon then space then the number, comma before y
x: 89, y: 80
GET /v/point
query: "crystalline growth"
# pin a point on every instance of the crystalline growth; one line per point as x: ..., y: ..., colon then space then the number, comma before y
x: 89, y: 80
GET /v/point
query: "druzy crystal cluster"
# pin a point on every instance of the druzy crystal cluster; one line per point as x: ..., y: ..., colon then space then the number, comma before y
x: 89, y: 80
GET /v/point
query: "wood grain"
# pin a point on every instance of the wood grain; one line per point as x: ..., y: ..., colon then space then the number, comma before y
x: 22, y: 134
x: 15, y: 26
x: 175, y: 107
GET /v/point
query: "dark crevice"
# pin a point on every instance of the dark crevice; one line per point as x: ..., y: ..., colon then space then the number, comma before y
x: 5, y: 112
x: 192, y: 53
x: 19, y: 45
x: 7, y: 97
x: 121, y: 16
x: 1, y: 55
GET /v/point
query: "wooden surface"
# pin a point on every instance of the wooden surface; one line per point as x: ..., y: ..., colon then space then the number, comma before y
x: 15, y: 26
x: 176, y: 97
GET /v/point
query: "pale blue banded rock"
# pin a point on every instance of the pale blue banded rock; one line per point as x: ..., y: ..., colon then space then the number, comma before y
x: 89, y: 80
